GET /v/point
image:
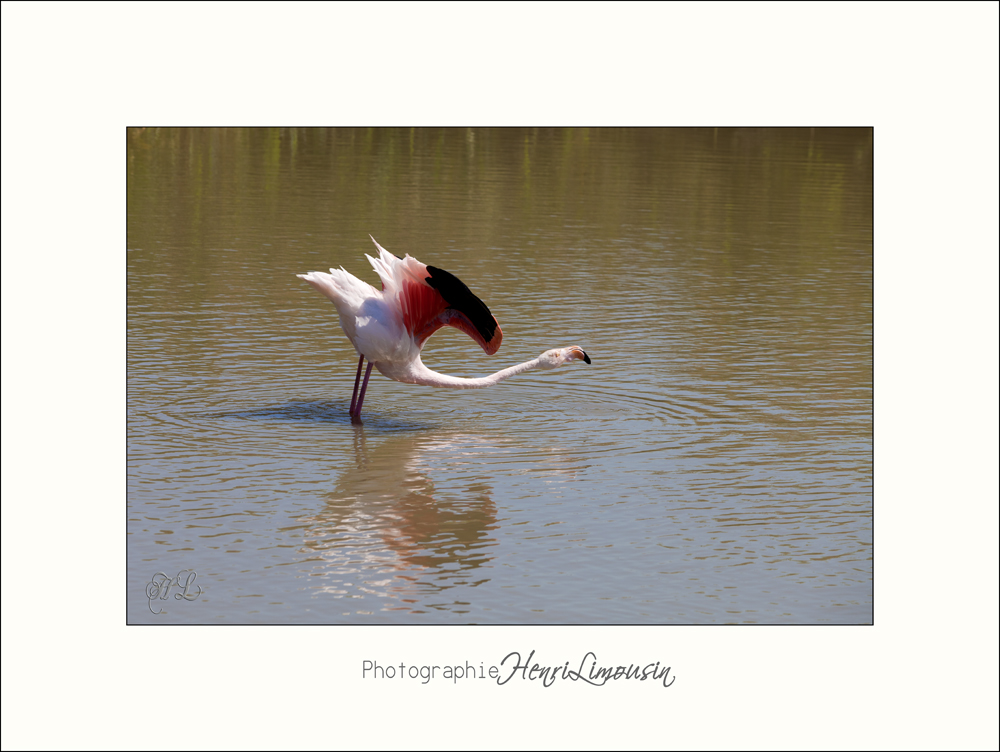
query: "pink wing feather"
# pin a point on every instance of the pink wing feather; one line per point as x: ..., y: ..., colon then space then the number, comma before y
x: 430, y: 298
x: 425, y: 310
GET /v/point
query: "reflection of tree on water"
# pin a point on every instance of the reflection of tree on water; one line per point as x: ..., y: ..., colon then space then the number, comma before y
x: 413, y: 514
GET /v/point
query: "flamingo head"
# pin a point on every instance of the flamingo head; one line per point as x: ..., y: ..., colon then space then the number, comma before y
x: 555, y: 358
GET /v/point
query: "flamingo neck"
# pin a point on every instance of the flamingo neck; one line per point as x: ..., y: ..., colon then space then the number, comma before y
x: 417, y: 373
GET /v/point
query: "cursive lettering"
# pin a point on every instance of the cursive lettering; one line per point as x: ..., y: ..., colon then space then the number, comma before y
x: 159, y: 587
x: 594, y: 675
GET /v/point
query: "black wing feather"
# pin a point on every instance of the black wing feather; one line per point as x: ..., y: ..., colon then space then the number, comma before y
x: 461, y: 298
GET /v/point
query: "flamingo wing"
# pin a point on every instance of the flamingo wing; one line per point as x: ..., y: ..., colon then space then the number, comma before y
x: 429, y: 298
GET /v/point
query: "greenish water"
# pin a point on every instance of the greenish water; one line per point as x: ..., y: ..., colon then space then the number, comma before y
x: 713, y: 464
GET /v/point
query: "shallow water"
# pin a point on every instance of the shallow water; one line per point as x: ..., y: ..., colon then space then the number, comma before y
x: 712, y: 465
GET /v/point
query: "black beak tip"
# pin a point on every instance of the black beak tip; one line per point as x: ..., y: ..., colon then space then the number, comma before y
x: 586, y: 359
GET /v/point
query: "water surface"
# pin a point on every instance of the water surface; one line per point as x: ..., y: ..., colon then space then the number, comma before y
x: 712, y: 465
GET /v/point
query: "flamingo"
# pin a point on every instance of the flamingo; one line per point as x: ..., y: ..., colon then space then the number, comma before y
x: 390, y: 326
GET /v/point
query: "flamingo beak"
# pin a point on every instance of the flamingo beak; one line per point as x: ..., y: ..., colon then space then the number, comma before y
x: 576, y: 352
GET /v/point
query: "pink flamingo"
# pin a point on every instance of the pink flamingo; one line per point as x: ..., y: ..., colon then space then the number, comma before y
x: 390, y: 326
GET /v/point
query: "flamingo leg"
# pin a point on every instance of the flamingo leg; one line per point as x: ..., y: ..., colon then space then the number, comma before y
x: 356, y: 418
x: 357, y: 380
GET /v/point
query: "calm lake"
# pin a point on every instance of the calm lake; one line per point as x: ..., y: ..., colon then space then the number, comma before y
x: 712, y: 465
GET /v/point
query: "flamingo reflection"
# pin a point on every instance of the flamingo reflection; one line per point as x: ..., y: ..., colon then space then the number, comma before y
x: 412, y: 517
